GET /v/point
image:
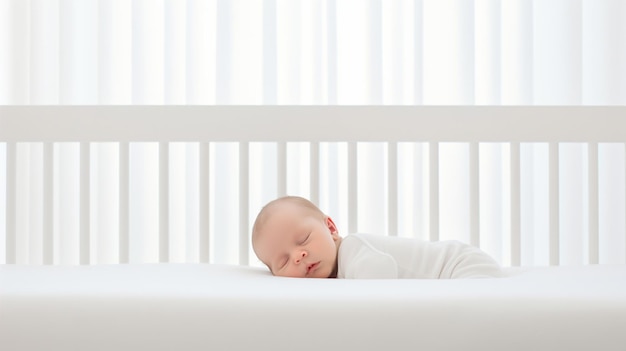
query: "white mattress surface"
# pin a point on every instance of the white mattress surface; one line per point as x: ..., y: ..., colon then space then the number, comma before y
x: 221, y: 307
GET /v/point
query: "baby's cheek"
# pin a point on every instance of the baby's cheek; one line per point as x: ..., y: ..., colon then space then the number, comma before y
x: 284, y: 272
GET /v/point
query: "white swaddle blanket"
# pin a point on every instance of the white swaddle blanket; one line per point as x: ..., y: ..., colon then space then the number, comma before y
x: 385, y: 257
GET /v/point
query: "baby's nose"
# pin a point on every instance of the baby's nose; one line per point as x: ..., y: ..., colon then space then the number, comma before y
x: 302, y: 254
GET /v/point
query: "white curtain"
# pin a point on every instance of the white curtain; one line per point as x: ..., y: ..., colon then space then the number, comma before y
x: 295, y: 52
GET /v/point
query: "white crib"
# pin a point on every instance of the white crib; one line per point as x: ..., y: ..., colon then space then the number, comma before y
x: 93, y: 306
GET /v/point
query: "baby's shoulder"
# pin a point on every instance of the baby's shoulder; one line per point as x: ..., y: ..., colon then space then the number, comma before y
x: 366, y: 238
x: 358, y: 258
x: 354, y: 242
x: 363, y: 241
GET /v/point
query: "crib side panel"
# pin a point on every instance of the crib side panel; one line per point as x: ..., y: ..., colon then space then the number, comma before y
x: 178, y: 184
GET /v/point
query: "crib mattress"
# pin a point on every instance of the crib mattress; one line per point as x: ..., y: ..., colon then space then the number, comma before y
x: 221, y: 307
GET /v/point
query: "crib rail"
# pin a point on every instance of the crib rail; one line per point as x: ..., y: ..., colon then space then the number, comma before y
x: 248, y: 124
x: 312, y: 123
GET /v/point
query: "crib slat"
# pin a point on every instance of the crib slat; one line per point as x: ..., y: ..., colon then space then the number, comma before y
x: 48, y: 240
x: 164, y: 202
x: 244, y: 185
x: 434, y: 190
x: 281, y: 171
x: 474, y: 195
x: 418, y: 193
x: 315, y: 172
x: 392, y: 188
x: 124, y: 198
x: 85, y: 165
x: 352, y: 188
x: 516, y: 204
x: 32, y: 217
x: 554, y: 203
x: 11, y: 205
x: 592, y: 154
x: 204, y: 189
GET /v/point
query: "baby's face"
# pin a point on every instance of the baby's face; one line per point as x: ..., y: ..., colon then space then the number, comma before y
x: 295, y: 243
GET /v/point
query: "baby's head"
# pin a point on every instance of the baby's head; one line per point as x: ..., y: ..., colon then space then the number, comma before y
x: 295, y: 239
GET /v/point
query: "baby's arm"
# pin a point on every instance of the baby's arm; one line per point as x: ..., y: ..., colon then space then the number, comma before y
x: 359, y: 260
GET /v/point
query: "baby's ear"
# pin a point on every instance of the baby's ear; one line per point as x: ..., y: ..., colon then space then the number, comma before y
x: 331, y: 226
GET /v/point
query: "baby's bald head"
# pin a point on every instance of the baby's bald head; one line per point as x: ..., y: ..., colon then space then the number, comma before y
x: 276, y: 205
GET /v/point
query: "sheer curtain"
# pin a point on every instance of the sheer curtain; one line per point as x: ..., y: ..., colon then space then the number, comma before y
x: 295, y: 52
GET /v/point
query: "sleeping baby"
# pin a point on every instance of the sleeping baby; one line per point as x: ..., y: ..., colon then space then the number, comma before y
x: 294, y: 238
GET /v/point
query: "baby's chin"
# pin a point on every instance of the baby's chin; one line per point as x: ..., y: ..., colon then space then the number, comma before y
x: 322, y: 272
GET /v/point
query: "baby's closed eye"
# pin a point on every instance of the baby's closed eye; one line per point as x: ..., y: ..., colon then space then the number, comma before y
x: 305, y: 238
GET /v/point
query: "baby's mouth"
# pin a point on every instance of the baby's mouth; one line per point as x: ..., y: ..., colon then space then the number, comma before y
x: 311, y: 267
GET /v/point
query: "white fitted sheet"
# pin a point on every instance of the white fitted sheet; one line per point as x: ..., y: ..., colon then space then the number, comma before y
x: 221, y: 307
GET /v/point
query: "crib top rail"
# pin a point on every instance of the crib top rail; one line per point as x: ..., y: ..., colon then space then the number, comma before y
x: 313, y: 123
